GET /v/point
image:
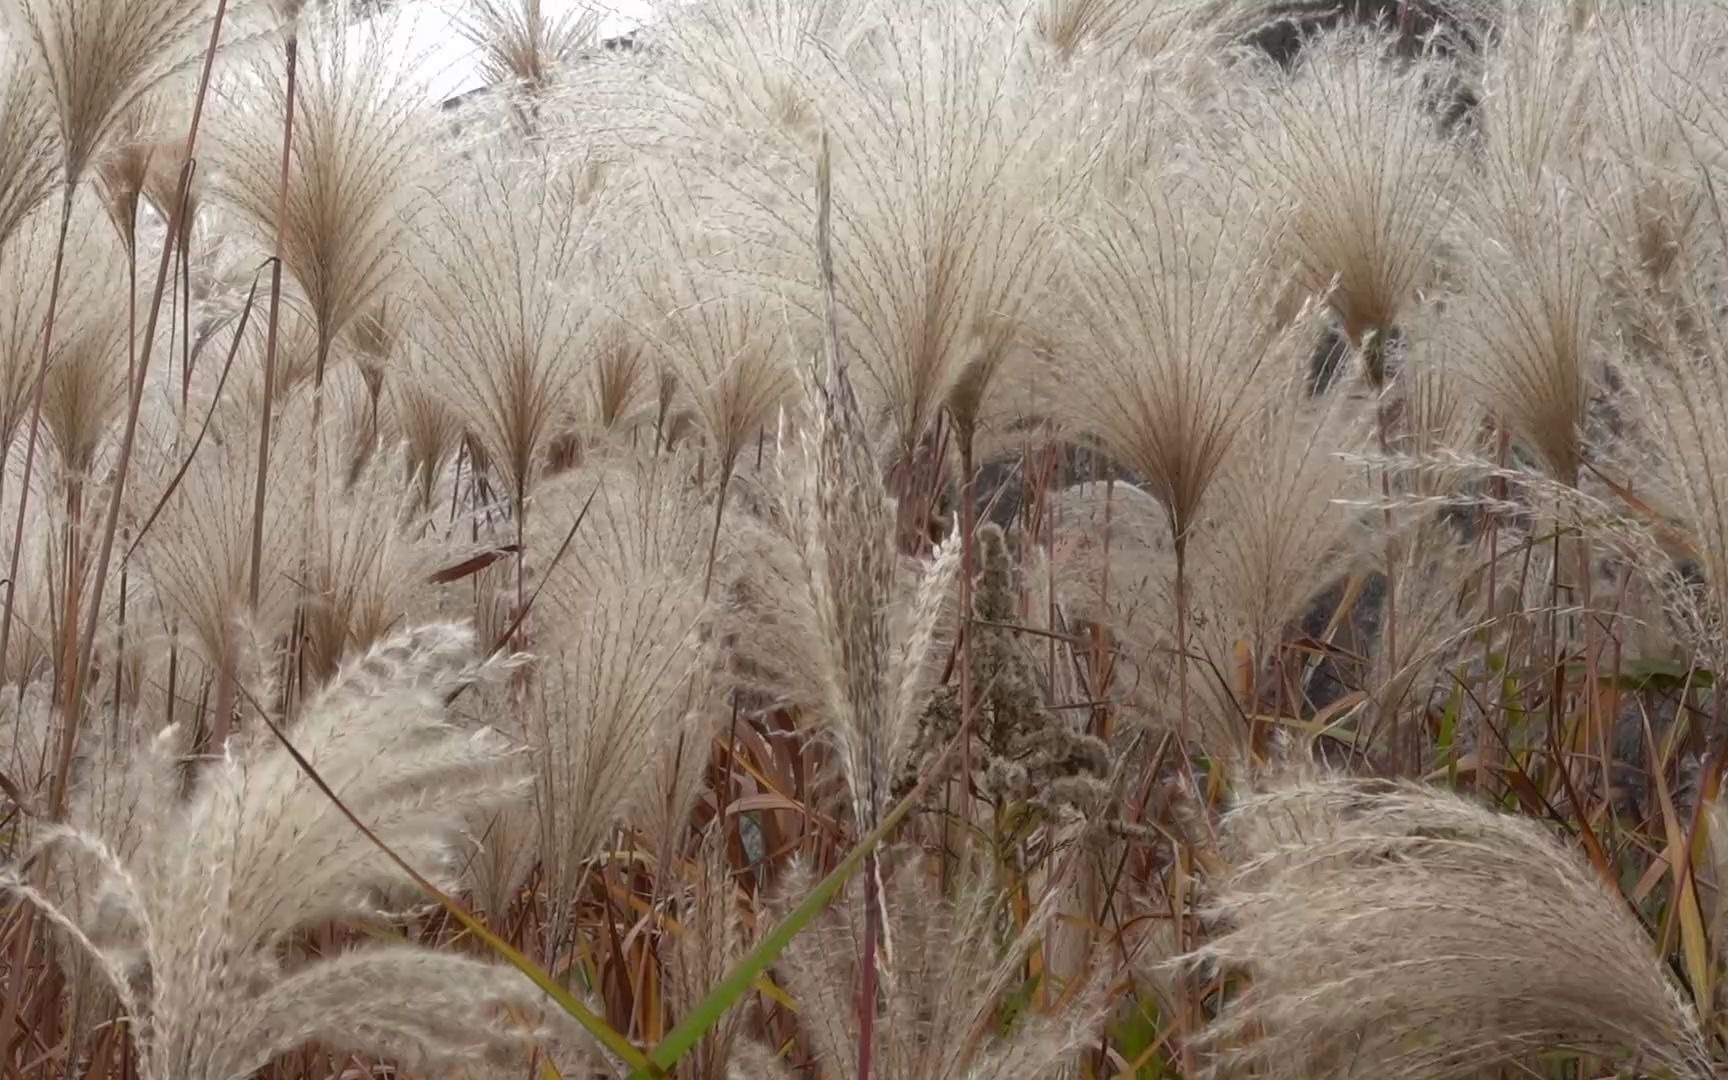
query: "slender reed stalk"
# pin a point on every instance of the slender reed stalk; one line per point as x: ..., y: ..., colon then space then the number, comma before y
x: 291, y: 54
x: 41, y: 382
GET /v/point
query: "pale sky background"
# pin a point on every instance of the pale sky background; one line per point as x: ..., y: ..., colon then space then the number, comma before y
x: 449, y: 58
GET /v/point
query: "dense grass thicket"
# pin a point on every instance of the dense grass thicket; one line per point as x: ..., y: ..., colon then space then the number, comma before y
x: 923, y: 540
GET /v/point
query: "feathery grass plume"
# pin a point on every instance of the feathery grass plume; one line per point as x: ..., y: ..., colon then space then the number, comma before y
x: 264, y: 854
x: 1349, y: 141
x: 1437, y: 608
x: 29, y: 152
x: 85, y: 392
x: 1678, y: 450
x: 162, y: 187
x: 83, y: 389
x: 503, y: 846
x: 359, y: 144
x: 522, y: 46
x: 1175, y: 31
x: 1175, y: 346
x: 430, y: 431
x: 508, y: 324
x: 24, y: 274
x: 1659, y: 90
x: 124, y: 170
x: 679, y: 775
x: 724, y: 341
x: 367, y: 564
x: 624, y: 633
x: 242, y: 398
x: 940, y: 240
x: 711, y: 939
x: 84, y: 398
x: 1536, y: 89
x: 127, y: 783
x: 1177, y: 349
x: 1529, y: 319
x: 829, y: 617
x: 1277, y: 534
x: 27, y: 740
x: 1138, y: 130
x: 621, y: 370
x: 738, y: 67
x: 1114, y: 568
x: 96, y: 59
x: 379, y: 338
x: 1108, y: 25
x: 1395, y: 930
x: 39, y: 606
x: 954, y: 960
x: 198, y: 552
x: 1440, y: 431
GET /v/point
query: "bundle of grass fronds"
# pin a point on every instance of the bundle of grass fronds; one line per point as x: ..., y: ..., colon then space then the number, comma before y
x: 188, y: 918
x: 1386, y: 929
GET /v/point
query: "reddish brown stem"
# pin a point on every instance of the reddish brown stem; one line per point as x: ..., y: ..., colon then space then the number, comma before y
x: 292, y: 52
x: 30, y: 458
x: 968, y: 567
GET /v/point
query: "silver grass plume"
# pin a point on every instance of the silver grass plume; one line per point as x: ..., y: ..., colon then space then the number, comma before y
x: 741, y: 67
x: 29, y: 153
x: 1438, y: 606
x: 368, y: 561
x: 127, y: 782
x: 785, y: 632
x: 712, y: 937
x: 429, y: 430
x: 942, y: 237
x: 941, y: 240
x: 849, y: 557
x: 27, y: 738
x: 1536, y: 89
x: 723, y: 337
x: 1678, y: 445
x: 1440, y: 427
x: 1658, y: 104
x: 85, y: 389
x: 1113, y: 27
x: 1350, y: 143
x: 38, y: 602
x: 1280, y: 529
x: 124, y: 171
x: 1124, y: 585
x: 1396, y: 930
x: 1529, y: 321
x: 1175, y: 343
x: 523, y: 46
x: 25, y: 264
x: 198, y: 552
x: 258, y: 853
x: 360, y: 143
x: 625, y: 638
x: 955, y: 958
x: 621, y: 373
x: 95, y: 59
x: 509, y: 324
